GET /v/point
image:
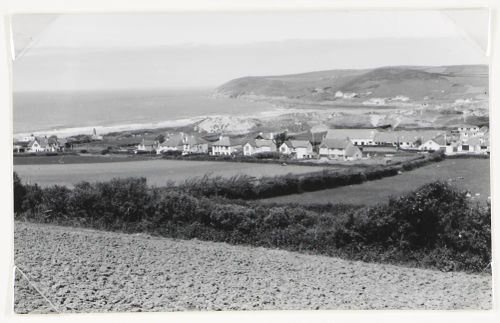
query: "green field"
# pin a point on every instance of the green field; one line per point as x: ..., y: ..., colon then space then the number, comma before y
x: 79, y: 159
x: 157, y: 171
x: 469, y: 174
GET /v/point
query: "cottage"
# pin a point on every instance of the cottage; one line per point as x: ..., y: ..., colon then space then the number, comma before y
x: 224, y: 146
x: 405, y: 139
x: 35, y: 146
x: 173, y: 143
x: 467, y: 127
x: 340, y: 149
x: 483, y: 131
x: 195, y: 145
x: 473, y: 145
x: 435, y: 144
x: 299, y: 149
x: 146, y: 146
x: 20, y: 146
x: 62, y: 144
x: 358, y: 137
x: 257, y: 146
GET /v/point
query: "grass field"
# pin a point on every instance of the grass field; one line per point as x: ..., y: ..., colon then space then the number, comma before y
x: 469, y: 174
x: 157, y: 172
x: 79, y: 159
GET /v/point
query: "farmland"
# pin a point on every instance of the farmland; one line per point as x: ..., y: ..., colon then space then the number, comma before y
x: 157, y: 172
x: 125, y: 272
x: 469, y: 174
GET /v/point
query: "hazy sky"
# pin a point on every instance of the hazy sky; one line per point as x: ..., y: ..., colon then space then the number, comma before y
x: 82, y: 52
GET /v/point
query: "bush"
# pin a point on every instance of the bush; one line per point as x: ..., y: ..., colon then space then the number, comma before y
x: 232, y: 217
x: 435, y: 226
x: 19, y: 194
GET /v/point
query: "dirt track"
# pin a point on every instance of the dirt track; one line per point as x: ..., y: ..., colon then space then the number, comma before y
x: 82, y: 270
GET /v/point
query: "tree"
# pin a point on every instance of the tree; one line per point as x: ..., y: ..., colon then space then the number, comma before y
x: 280, y: 138
x: 160, y: 138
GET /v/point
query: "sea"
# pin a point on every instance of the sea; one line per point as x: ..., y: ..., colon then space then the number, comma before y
x: 70, y: 113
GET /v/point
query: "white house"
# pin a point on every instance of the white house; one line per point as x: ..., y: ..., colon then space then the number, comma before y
x: 224, y: 146
x: 405, y: 139
x: 340, y: 149
x: 194, y: 145
x: 475, y: 145
x: 257, y: 146
x: 173, y: 143
x: 184, y: 144
x: 146, y: 146
x: 34, y: 145
x: 440, y: 142
x: 431, y: 145
x: 299, y: 149
x: 467, y: 127
x: 358, y: 137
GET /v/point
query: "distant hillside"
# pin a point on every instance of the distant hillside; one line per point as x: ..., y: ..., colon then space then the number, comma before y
x: 380, y: 86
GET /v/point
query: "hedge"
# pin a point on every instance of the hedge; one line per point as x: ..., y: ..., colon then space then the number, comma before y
x: 435, y: 226
x: 249, y: 188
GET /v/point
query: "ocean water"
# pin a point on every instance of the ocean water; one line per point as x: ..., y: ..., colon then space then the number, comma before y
x: 69, y: 112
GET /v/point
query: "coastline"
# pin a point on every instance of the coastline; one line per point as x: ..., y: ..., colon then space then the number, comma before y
x: 105, y: 129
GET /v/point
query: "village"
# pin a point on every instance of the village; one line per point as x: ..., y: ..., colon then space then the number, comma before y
x: 331, y: 145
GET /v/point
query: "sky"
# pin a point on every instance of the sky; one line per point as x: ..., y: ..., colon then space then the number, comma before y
x: 128, y: 51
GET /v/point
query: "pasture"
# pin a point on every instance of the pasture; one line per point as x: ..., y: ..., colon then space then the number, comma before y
x: 468, y: 174
x: 157, y: 172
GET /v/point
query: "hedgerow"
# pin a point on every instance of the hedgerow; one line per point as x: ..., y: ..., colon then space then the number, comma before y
x: 249, y: 188
x: 436, y: 226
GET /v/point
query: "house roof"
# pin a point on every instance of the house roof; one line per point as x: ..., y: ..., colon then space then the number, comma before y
x: 351, y: 150
x: 174, y: 141
x: 224, y: 141
x: 464, y: 125
x: 475, y: 141
x: 265, y: 135
x: 334, y: 143
x: 351, y: 133
x: 195, y: 140
x: 406, y: 135
x: 440, y: 140
x: 22, y: 143
x: 298, y: 143
x: 148, y: 142
x: 42, y: 141
x: 261, y: 143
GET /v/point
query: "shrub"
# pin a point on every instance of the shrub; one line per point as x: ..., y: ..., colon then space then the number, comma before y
x: 19, y: 194
x: 435, y: 226
x: 232, y: 217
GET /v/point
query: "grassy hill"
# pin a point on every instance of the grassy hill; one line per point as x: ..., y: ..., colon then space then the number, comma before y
x: 392, y: 84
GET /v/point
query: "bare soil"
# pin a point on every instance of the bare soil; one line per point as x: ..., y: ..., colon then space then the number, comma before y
x: 81, y: 270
